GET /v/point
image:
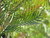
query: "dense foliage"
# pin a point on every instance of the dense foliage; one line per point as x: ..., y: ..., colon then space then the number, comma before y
x: 27, y: 18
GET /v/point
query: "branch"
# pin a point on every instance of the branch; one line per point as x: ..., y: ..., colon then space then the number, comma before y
x: 15, y: 10
x: 3, y: 29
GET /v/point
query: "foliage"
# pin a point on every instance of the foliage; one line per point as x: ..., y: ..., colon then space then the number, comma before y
x: 24, y: 16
